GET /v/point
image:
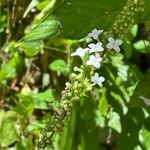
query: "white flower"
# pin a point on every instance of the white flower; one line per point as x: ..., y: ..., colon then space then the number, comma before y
x: 95, y: 47
x: 95, y: 61
x: 114, y: 44
x: 96, y: 79
x: 80, y: 52
x: 95, y: 33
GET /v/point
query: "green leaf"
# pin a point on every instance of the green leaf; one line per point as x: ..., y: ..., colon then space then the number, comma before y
x: 2, y: 113
x: 31, y: 49
x: 42, y: 4
x: 34, y: 101
x: 49, y: 27
x: 9, y: 70
x: 127, y: 47
x: 67, y: 137
x: 26, y: 105
x: 81, y: 21
x: 59, y: 65
x: 75, y: 19
x: 103, y: 105
x: 144, y: 138
x: 132, y: 33
x: 114, y: 122
x: 25, y: 144
x: 99, y: 119
x: 35, y: 127
x: 8, y: 132
x: 45, y: 96
x: 142, y: 46
x: 141, y: 94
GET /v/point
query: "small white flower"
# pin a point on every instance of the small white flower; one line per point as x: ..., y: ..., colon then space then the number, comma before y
x: 96, y: 79
x: 95, y: 33
x: 95, y: 61
x: 80, y: 52
x: 114, y: 44
x: 95, y: 47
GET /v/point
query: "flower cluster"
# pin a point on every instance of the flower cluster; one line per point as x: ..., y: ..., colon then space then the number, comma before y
x: 86, y: 77
x: 94, y: 51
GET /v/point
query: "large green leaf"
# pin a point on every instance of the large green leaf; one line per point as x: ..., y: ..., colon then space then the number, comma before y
x: 120, y: 83
x: 144, y: 138
x: 49, y: 27
x: 79, y: 17
x: 115, y: 122
x: 141, y: 94
x: 8, y: 132
x: 142, y: 46
x: 76, y: 18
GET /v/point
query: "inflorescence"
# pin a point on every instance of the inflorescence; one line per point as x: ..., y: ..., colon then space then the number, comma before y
x: 94, y: 51
x: 81, y: 81
x: 86, y: 76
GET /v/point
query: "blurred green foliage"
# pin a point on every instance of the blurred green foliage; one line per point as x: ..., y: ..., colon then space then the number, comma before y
x: 36, y: 40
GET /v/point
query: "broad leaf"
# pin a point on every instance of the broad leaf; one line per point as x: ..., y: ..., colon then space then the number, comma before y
x: 49, y: 27
x: 142, y: 46
x: 75, y: 19
x: 144, y: 138
x: 141, y: 94
x: 8, y: 132
x: 115, y: 122
x: 33, y: 101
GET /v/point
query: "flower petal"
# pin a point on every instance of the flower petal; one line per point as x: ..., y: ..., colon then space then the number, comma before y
x: 100, y: 31
x: 109, y: 46
x: 96, y: 75
x: 74, y: 54
x: 88, y: 62
x: 94, y: 30
x: 99, y: 59
x: 118, y: 42
x: 99, y: 44
x: 117, y: 48
x: 90, y: 35
x: 97, y: 65
x: 80, y: 52
x: 92, y: 58
x: 100, y: 84
x: 95, y: 36
x: 111, y: 40
x: 101, y: 78
x: 91, y: 45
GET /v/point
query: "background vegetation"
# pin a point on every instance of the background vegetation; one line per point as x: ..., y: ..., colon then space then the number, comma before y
x: 35, y: 64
